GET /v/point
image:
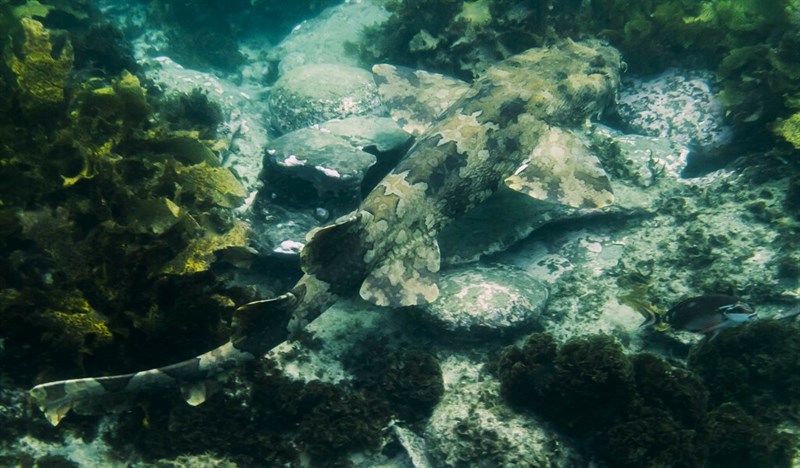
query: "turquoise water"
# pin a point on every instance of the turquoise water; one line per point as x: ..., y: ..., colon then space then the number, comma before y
x: 419, y: 233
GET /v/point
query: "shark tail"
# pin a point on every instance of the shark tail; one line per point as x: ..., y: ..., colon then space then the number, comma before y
x: 93, y: 395
x: 258, y: 327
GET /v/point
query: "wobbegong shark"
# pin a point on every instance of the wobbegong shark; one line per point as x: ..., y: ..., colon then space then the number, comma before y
x: 514, y: 126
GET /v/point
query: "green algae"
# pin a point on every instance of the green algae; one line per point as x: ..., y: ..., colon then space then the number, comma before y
x: 76, y: 324
x: 789, y: 129
x: 212, y: 186
x: 39, y: 71
x: 199, y: 254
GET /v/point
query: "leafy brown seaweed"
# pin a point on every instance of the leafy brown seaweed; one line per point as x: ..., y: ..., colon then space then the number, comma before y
x: 111, y: 218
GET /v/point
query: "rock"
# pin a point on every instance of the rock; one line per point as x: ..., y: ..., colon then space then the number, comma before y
x: 484, y: 302
x: 636, y: 159
x: 241, y: 135
x: 471, y: 426
x: 325, y: 38
x: 315, y: 174
x: 677, y: 104
x: 315, y: 93
x: 367, y: 132
x: 309, y: 168
x: 413, y: 445
x: 280, y: 231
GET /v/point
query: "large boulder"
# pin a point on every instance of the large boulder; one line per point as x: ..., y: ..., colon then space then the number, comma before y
x: 315, y: 93
x: 485, y: 302
x: 678, y: 104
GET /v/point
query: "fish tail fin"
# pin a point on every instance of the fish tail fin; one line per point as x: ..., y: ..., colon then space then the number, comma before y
x: 650, y: 320
x: 653, y: 318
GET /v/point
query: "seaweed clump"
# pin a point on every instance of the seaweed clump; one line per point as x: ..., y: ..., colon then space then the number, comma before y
x: 409, y: 381
x: 192, y: 112
x: 633, y: 410
x: 40, y: 69
x: 268, y: 419
x: 757, y: 367
x: 110, y: 232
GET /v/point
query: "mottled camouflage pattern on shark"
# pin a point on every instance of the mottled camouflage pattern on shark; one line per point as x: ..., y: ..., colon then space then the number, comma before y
x: 509, y: 126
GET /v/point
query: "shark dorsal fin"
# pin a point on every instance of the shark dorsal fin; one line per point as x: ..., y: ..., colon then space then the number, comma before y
x: 415, y: 98
x: 407, y: 276
x: 561, y: 169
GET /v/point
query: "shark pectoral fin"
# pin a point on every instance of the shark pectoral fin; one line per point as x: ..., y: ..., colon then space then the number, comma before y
x: 327, y: 245
x: 55, y: 414
x: 408, y: 276
x: 54, y: 411
x: 335, y: 253
x: 257, y: 316
x: 416, y: 98
x: 561, y: 169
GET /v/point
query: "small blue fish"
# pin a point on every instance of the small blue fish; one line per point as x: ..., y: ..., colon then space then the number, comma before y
x: 708, y: 314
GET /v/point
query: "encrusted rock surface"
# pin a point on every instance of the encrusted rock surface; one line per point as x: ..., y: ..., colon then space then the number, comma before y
x: 241, y: 134
x: 368, y: 132
x: 325, y: 39
x: 485, y: 302
x: 310, y: 168
x: 315, y: 174
x: 315, y: 93
x: 677, y: 104
x: 472, y: 426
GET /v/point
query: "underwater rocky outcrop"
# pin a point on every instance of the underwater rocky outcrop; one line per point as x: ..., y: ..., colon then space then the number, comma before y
x: 115, y: 241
